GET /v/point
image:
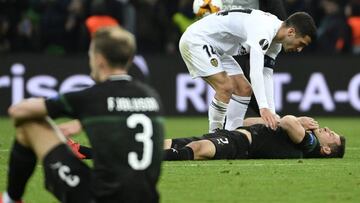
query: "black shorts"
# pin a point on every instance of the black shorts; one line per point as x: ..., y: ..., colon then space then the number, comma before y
x: 228, y: 144
x: 66, y: 176
x: 69, y: 179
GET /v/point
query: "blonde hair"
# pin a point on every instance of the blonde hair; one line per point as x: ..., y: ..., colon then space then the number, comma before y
x: 116, y: 45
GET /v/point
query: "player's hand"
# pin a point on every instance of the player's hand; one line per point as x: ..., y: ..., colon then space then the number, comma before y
x: 308, y: 123
x: 271, y: 120
x: 70, y: 128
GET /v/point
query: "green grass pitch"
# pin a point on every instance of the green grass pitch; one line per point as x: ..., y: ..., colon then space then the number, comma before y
x: 307, y: 180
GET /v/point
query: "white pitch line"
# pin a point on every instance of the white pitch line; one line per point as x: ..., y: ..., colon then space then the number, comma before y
x: 256, y: 164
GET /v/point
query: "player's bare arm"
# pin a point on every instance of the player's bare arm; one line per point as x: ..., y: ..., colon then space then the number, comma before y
x: 253, y: 120
x: 293, y: 127
x: 28, y: 109
x: 70, y: 128
x: 308, y: 123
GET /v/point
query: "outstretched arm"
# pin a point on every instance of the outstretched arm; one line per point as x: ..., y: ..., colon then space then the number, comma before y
x: 256, y: 120
x: 307, y: 122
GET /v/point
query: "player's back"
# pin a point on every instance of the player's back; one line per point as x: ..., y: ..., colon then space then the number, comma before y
x: 122, y: 119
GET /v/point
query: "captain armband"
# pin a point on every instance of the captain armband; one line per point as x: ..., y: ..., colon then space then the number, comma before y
x: 269, y: 62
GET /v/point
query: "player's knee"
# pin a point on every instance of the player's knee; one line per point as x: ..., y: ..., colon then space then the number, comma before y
x: 201, y: 149
x: 167, y: 143
x: 198, y: 150
x: 22, y: 130
x: 195, y: 146
x: 226, y: 89
x: 244, y: 91
x: 21, y: 136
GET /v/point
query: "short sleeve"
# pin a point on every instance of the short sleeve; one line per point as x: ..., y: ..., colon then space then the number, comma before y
x: 64, y: 105
x: 309, y: 143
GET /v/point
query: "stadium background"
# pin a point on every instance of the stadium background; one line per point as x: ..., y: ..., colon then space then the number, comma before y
x: 43, y: 50
x: 315, y: 85
x: 43, y: 45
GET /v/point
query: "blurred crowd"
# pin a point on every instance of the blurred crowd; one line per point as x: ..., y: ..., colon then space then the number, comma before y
x: 65, y: 26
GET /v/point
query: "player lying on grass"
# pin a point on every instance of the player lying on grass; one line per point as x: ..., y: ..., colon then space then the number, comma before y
x: 295, y: 138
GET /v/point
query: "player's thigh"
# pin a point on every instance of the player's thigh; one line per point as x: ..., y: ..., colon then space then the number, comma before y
x: 203, y: 149
x: 230, y: 65
x: 66, y: 177
x: 179, y: 143
x: 225, y: 148
x: 201, y: 59
x: 240, y: 84
x: 40, y: 135
x: 221, y: 83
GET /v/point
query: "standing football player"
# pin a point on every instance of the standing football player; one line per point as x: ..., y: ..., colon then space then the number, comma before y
x: 207, y: 47
x: 122, y: 119
x: 237, y: 110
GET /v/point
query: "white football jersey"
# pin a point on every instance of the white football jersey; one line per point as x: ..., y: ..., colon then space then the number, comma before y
x: 239, y: 32
x: 232, y: 32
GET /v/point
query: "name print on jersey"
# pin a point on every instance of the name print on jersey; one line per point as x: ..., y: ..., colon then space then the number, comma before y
x: 132, y: 104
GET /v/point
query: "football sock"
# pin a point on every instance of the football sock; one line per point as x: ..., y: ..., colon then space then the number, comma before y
x: 185, y: 153
x: 236, y: 112
x: 171, y: 154
x: 86, y: 151
x: 21, y: 165
x: 217, y: 112
x: 6, y: 199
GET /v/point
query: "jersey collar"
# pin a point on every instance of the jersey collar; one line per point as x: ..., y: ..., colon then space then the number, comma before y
x: 120, y: 77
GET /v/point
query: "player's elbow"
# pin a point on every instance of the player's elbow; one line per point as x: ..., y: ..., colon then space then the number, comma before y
x: 288, y: 121
x: 14, y: 111
x: 17, y: 111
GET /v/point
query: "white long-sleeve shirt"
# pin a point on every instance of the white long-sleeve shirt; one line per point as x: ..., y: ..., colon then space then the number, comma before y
x: 242, y: 31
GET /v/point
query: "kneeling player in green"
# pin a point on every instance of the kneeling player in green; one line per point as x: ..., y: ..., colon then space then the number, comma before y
x: 295, y: 138
x: 122, y: 120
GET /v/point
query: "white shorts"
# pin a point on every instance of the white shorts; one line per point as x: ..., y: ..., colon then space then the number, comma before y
x: 202, y: 60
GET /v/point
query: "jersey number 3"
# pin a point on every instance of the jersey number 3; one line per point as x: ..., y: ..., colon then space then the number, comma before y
x: 145, y: 138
